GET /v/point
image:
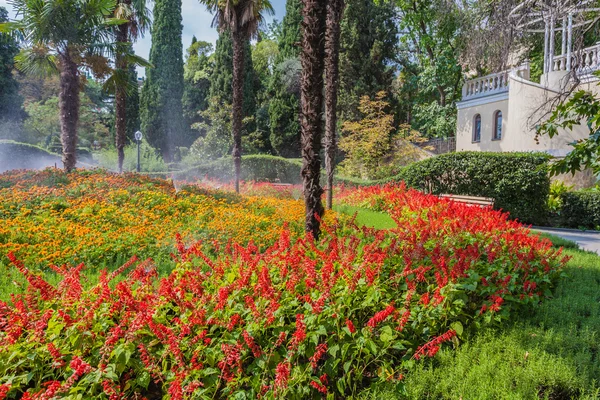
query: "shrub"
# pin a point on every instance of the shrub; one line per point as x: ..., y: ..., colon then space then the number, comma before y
x: 15, y: 155
x: 259, y: 168
x: 580, y: 209
x: 150, y: 161
x: 299, y: 320
x: 518, y: 182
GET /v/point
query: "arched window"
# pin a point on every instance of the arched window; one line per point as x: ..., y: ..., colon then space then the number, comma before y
x: 497, y: 135
x: 477, y: 128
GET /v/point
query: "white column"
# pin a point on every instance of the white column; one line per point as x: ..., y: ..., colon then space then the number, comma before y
x: 569, y: 41
x: 563, y: 36
x: 551, y: 52
x: 546, y: 46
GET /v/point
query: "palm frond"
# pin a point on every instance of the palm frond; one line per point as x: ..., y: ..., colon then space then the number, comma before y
x: 36, y: 62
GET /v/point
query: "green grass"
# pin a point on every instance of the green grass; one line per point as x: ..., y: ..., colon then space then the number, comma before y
x: 550, y: 352
x: 368, y: 218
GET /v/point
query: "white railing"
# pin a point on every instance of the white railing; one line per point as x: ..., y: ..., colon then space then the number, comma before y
x: 486, y: 85
x: 583, y: 61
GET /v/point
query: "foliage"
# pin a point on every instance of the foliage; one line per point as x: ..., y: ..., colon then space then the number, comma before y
x: 161, y: 99
x: 430, y: 46
x: 215, y: 133
x: 133, y: 123
x: 580, y: 209
x: 43, y: 120
x: 222, y: 74
x: 368, y: 51
x: 518, y: 182
x: 15, y: 155
x: 301, y: 319
x: 373, y: 148
x: 581, y: 106
x: 549, y: 352
x: 197, y: 71
x: 10, y: 101
x: 101, y: 218
x: 284, y: 87
x: 557, y: 190
x: 149, y: 160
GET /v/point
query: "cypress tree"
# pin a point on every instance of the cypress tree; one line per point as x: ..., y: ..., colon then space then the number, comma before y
x: 10, y: 101
x: 161, y: 100
x: 132, y: 109
x: 284, y: 106
x: 222, y: 76
x: 368, y: 48
x: 196, y: 85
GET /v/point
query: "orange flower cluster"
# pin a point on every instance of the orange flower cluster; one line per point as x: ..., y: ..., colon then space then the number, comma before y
x: 50, y: 217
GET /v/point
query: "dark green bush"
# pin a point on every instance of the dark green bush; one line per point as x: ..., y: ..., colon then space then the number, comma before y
x: 580, y: 209
x: 255, y: 167
x: 518, y: 182
x: 15, y: 155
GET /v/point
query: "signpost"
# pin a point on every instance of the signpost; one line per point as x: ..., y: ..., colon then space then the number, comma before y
x: 138, y: 139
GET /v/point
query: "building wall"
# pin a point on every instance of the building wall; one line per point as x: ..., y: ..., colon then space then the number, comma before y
x: 464, y: 129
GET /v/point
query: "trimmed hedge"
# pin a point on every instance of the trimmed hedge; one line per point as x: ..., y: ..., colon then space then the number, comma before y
x: 15, y: 155
x: 580, y: 209
x: 255, y: 167
x: 518, y: 182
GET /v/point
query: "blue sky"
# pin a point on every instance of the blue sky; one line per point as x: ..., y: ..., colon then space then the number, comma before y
x: 196, y: 21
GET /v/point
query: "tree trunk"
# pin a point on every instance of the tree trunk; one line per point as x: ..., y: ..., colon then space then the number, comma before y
x: 121, y: 97
x: 68, y: 101
x: 237, y: 103
x: 312, y: 59
x: 335, y: 8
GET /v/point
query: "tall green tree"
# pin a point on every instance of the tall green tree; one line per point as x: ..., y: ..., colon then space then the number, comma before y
x: 242, y: 18
x: 137, y: 16
x: 63, y: 36
x: 284, y: 89
x: 368, y: 52
x: 431, y: 43
x: 10, y: 101
x: 196, y: 80
x: 313, y: 67
x: 221, y: 78
x: 132, y: 107
x: 161, y: 100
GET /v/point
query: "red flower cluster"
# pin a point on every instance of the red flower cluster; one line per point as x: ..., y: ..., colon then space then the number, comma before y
x: 431, y: 348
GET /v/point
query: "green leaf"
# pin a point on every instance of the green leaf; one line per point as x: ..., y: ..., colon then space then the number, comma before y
x: 458, y: 327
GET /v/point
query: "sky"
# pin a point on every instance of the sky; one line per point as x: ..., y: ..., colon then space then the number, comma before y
x: 196, y: 21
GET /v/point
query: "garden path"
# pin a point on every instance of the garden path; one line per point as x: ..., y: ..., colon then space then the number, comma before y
x: 587, y: 240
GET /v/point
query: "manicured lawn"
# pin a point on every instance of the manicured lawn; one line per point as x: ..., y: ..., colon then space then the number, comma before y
x: 550, y: 352
x: 369, y: 218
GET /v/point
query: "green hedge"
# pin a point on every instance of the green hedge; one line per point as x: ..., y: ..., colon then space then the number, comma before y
x: 580, y: 209
x: 255, y: 167
x: 15, y: 155
x: 518, y: 182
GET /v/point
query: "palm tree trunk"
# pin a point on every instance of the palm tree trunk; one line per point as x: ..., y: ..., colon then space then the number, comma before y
x: 312, y: 59
x: 335, y: 9
x: 238, y: 99
x: 121, y: 99
x: 68, y: 101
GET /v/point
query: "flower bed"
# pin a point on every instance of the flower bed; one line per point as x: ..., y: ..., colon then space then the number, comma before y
x: 297, y: 320
x: 51, y: 217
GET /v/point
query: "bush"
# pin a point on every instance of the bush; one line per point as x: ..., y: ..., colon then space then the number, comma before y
x: 299, y: 320
x: 15, y: 155
x: 518, y: 182
x: 580, y: 209
x: 259, y: 168
x: 149, y: 160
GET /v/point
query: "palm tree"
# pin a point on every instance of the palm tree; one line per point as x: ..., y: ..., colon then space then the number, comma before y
x: 242, y: 18
x: 335, y: 9
x: 63, y: 36
x: 137, y: 15
x: 311, y: 99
